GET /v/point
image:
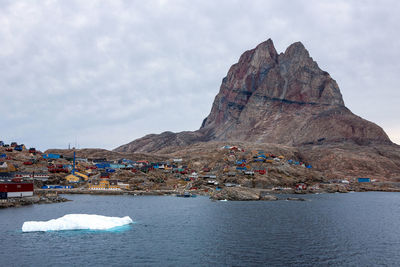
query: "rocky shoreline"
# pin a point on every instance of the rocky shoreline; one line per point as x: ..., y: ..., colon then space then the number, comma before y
x: 46, y: 196
x: 227, y: 193
x: 36, y: 199
x: 238, y: 193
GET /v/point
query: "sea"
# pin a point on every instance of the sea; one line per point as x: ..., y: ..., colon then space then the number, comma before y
x: 354, y: 229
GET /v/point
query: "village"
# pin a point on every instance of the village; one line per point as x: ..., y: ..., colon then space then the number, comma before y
x: 25, y: 172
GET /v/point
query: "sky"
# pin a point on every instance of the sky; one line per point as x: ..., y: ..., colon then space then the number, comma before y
x: 99, y: 74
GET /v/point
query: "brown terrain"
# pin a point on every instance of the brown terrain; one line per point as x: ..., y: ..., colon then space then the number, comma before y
x: 285, y: 101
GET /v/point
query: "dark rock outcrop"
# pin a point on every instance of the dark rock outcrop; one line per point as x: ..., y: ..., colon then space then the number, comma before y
x: 274, y: 98
x: 241, y: 194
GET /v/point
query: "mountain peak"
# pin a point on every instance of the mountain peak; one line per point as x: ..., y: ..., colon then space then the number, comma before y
x: 269, y: 47
x: 275, y: 98
x: 262, y: 74
x: 296, y: 48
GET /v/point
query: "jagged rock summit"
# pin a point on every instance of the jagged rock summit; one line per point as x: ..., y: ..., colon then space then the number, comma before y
x: 274, y: 98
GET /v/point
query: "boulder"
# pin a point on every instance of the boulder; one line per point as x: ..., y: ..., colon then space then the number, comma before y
x: 268, y: 198
x: 237, y: 193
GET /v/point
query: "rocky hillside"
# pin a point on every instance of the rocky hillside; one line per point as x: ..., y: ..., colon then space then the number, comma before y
x: 273, y: 98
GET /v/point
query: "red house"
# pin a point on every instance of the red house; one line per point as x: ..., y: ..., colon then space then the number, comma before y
x: 17, y: 189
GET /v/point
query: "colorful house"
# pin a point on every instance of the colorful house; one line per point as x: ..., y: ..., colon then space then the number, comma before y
x: 40, y: 176
x: 262, y: 172
x: 117, y: 166
x: 20, y: 147
x: 7, y: 167
x: 102, y: 165
x: 104, y: 185
x: 72, y: 178
x: 51, y: 156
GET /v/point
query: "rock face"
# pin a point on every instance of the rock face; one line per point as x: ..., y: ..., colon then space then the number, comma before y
x: 274, y: 98
x: 238, y: 193
x: 285, y: 99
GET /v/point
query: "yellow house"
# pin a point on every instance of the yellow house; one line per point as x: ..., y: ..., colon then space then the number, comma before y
x: 7, y: 167
x: 83, y: 176
x: 72, y: 178
x: 104, y: 184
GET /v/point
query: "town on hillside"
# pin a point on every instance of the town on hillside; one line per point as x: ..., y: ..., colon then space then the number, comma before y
x: 27, y: 171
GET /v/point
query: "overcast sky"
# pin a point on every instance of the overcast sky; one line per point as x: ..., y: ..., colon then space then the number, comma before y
x: 103, y: 73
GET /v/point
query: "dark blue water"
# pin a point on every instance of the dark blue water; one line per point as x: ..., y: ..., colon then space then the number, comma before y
x: 356, y: 229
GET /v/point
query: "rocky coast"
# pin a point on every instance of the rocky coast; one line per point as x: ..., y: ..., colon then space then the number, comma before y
x: 48, y: 198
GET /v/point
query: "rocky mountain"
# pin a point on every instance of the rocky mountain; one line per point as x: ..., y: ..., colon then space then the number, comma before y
x: 274, y: 98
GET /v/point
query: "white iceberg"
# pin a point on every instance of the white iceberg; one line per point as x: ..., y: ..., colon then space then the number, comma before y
x: 76, y: 222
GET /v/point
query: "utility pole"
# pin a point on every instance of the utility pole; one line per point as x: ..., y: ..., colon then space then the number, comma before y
x: 73, y: 168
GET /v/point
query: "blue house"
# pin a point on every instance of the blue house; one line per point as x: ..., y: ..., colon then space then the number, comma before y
x: 102, y: 165
x: 51, y: 156
x: 117, y: 166
x: 19, y: 148
x: 127, y: 161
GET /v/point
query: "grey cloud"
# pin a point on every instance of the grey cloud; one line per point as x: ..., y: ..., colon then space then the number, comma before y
x: 107, y: 72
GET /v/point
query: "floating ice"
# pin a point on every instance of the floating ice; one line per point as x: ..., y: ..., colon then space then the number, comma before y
x: 76, y: 222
